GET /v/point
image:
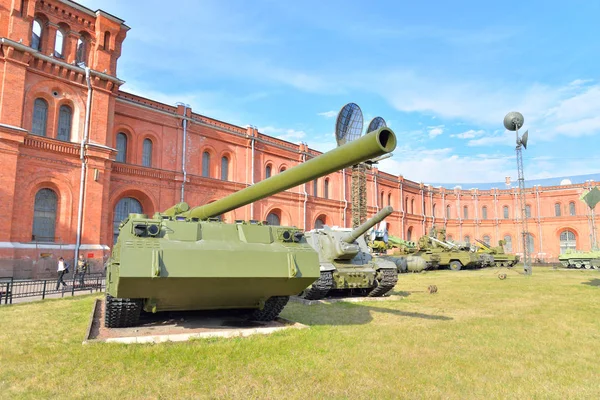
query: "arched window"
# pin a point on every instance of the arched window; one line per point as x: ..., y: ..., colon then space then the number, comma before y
x: 505, y: 212
x: 381, y: 199
x: 147, y: 153
x: 273, y: 219
x: 58, y: 44
x: 224, y: 168
x: 406, y: 205
x: 466, y: 212
x: 319, y: 223
x: 44, y: 215
x: 125, y: 206
x: 326, y: 189
x: 528, y: 211
x: 412, y: 206
x: 484, y: 212
x: 557, y: 210
x: 282, y: 169
x: 121, y: 147
x: 448, y: 212
x: 107, y: 40
x: 449, y: 238
x: 567, y: 241
x: 572, y: 208
x: 486, y: 239
x: 81, y: 52
x: 36, y: 35
x: 268, y: 171
x: 64, y: 123
x: 40, y: 116
x: 433, y: 209
x: 530, y: 243
x: 409, y: 234
x: 206, y: 164
x: 467, y: 239
x: 389, y: 199
x: 508, y: 244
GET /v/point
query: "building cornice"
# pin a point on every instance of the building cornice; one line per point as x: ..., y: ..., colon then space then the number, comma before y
x: 37, y: 54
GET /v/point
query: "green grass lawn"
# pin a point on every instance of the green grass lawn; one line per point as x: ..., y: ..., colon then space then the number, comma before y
x: 478, y: 337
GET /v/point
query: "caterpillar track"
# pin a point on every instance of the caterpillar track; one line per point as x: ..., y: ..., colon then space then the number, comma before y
x: 273, y: 306
x: 319, y: 288
x: 121, y: 313
x: 387, y: 283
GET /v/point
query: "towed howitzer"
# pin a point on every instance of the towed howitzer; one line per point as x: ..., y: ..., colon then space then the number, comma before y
x: 186, y: 259
x: 346, y: 264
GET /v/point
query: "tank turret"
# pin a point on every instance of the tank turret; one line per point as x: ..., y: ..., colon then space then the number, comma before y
x: 347, y: 264
x: 184, y: 259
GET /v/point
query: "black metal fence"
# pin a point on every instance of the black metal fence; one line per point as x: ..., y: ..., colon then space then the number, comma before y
x: 11, y: 288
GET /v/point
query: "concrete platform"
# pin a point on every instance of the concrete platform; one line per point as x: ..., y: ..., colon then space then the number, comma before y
x: 332, y: 300
x: 181, y: 326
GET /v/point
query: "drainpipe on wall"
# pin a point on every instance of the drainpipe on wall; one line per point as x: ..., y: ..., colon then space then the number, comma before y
x: 305, y: 148
x: 537, y: 196
x: 402, y: 207
x: 252, y: 167
x: 423, y: 212
x: 476, y: 214
x: 345, y: 198
x: 496, y: 214
x: 184, y: 146
x: 432, y: 211
x: 84, y: 139
x: 376, y: 192
x: 444, y: 209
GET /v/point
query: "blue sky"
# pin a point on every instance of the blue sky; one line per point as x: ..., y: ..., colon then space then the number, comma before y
x: 442, y: 74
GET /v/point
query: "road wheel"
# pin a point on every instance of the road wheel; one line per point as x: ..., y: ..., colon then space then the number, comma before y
x: 455, y: 265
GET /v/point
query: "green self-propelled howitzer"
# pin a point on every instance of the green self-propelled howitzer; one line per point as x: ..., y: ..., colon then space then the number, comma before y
x: 346, y: 263
x: 187, y: 259
x: 580, y: 259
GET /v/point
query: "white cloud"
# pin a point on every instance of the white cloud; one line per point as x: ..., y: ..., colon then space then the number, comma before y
x: 470, y: 134
x: 435, y: 130
x: 506, y: 138
x: 328, y: 114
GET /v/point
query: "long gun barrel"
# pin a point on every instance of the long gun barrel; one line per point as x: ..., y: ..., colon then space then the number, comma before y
x: 444, y: 244
x: 368, y: 224
x: 372, y: 145
x: 484, y: 244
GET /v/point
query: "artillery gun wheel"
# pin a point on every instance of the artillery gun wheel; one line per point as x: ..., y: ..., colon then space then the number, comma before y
x: 271, y: 310
x: 121, y: 313
x: 455, y: 265
x: 319, y: 288
x: 389, y: 278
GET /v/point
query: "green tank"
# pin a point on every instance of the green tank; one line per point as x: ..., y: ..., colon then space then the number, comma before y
x: 184, y: 259
x: 347, y: 266
x: 499, y: 257
x: 580, y: 259
x: 408, y: 257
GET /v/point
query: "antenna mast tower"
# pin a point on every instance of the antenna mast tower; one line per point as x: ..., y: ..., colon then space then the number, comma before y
x: 513, y: 121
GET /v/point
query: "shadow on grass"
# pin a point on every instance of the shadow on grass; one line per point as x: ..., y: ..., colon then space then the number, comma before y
x: 593, y: 282
x: 348, y: 314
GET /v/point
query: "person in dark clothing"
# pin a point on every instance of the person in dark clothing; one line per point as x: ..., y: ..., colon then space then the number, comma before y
x: 82, y: 267
x: 62, y: 269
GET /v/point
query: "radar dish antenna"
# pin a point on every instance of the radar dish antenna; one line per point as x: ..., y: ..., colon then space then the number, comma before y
x: 349, y: 124
x: 376, y: 123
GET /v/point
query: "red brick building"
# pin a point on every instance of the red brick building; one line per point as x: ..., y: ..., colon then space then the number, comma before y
x: 139, y: 155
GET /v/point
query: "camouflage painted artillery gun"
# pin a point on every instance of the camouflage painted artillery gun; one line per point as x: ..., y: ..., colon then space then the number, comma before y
x: 500, y: 258
x: 187, y: 259
x: 580, y: 259
x: 458, y: 256
x: 347, y: 265
x: 410, y: 256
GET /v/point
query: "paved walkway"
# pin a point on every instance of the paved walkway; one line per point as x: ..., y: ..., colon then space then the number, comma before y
x: 62, y: 294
